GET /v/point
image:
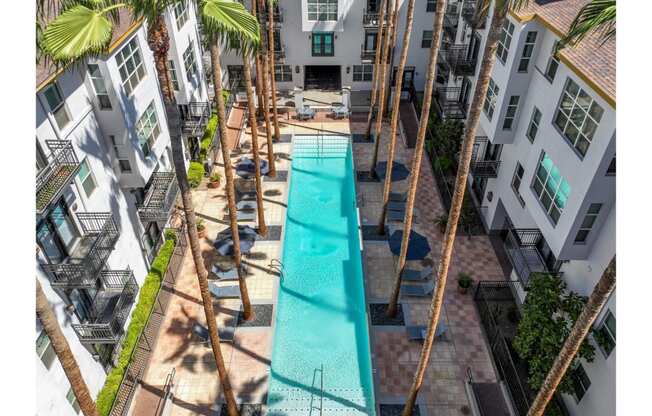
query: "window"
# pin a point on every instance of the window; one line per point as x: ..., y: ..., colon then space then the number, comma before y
x: 98, y: 85
x: 322, y: 44
x: 607, y: 333
x: 431, y: 5
x: 510, y: 114
x: 181, y: 13
x: 581, y: 382
x: 125, y: 165
x: 148, y: 129
x: 70, y: 396
x: 528, y: 49
x: 611, y: 170
x: 578, y: 116
x: 363, y: 72
x: 426, y: 39
x: 533, y: 128
x: 57, y: 233
x: 587, y: 223
x: 553, y: 64
x: 173, y: 75
x: 490, y: 99
x: 44, y: 350
x: 551, y: 188
x: 85, y: 176
x: 505, y: 40
x: 57, y: 105
x: 322, y: 10
x: 283, y: 73
x: 516, y: 182
x: 189, y: 62
x: 130, y: 65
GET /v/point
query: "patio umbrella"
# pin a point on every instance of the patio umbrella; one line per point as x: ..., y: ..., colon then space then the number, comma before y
x: 224, y: 241
x: 399, y: 171
x: 418, y: 247
x: 246, y: 167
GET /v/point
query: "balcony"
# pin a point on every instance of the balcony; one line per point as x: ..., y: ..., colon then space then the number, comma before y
x: 278, y: 16
x: 279, y: 53
x: 60, y: 169
x: 449, y: 102
x: 160, y: 195
x: 451, y: 19
x: 469, y: 14
x: 367, y: 55
x: 482, y: 163
x: 370, y: 19
x: 194, y: 117
x: 522, y: 246
x: 81, y: 269
x: 459, y: 59
x: 110, y: 310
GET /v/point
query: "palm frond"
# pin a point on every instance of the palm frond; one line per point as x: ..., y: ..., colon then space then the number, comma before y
x: 151, y: 9
x: 598, y: 16
x: 228, y: 21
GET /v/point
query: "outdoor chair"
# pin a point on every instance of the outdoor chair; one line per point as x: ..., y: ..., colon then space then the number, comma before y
x: 395, y: 206
x: 226, y: 333
x: 411, y: 275
x: 419, y: 291
x: 246, y: 205
x: 418, y: 332
x: 305, y: 113
x: 224, y: 292
x: 226, y: 275
x: 340, y: 112
x: 245, y: 195
x: 398, y: 196
x: 244, y: 216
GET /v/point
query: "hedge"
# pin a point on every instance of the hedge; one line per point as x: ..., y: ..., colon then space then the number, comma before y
x: 207, y: 139
x: 195, y: 174
x: 139, y: 317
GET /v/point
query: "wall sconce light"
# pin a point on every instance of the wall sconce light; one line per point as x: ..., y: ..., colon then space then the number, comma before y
x: 348, y: 69
x: 490, y: 196
x: 297, y: 69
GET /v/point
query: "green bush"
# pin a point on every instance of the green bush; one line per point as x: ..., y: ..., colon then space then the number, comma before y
x: 139, y: 317
x: 207, y: 139
x: 195, y: 174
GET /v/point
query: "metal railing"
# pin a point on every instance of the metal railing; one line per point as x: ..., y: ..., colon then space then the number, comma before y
x: 451, y: 19
x: 449, y: 102
x: 482, y: 166
x: 457, y: 58
x: 370, y: 19
x: 81, y: 269
x: 160, y: 195
x: 61, y: 167
x: 470, y: 14
x: 367, y: 54
x: 522, y: 248
x: 194, y: 118
x: 279, y: 53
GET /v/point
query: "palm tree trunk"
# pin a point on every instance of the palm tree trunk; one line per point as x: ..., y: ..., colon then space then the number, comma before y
x: 64, y: 354
x: 270, y: 51
x: 594, y: 305
x: 375, y: 80
x: 488, y: 62
x: 259, y: 87
x: 381, y: 87
x: 159, y: 43
x: 230, y: 188
x: 262, y: 227
x: 409, y: 20
x: 390, y: 58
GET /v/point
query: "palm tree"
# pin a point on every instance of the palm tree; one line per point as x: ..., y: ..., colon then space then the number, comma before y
x: 376, y: 77
x: 64, y: 354
x: 272, y: 67
x: 409, y: 20
x: 598, y: 16
x: 488, y: 60
x: 583, y: 325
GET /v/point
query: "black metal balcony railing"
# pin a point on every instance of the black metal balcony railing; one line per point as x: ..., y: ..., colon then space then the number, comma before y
x: 482, y: 163
x: 459, y: 60
x: 81, y: 269
x: 522, y: 248
x: 451, y: 19
x: 278, y: 16
x: 160, y: 194
x: 111, y: 308
x: 62, y: 166
x: 279, y: 53
x: 370, y: 19
x: 470, y: 13
x: 194, y: 117
x: 367, y: 54
x: 450, y: 103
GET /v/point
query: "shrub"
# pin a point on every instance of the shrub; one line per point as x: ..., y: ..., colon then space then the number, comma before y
x: 139, y: 317
x: 195, y: 174
x: 464, y: 280
x: 216, y: 177
x: 207, y: 138
x: 200, y: 225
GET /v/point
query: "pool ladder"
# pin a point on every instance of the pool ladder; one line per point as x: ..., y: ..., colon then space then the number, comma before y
x: 277, y: 266
x: 321, y: 389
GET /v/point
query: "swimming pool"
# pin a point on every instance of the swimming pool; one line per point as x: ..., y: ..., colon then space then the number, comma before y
x: 320, y: 357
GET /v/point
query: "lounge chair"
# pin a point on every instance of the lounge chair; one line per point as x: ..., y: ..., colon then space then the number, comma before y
x: 411, y: 275
x: 224, y: 292
x: 305, y: 113
x: 418, y: 332
x: 396, y: 206
x: 226, y: 275
x: 397, y: 216
x: 340, y: 111
x: 246, y: 205
x: 419, y: 291
x: 398, y: 196
x: 246, y: 195
x: 226, y: 333
x: 248, y: 215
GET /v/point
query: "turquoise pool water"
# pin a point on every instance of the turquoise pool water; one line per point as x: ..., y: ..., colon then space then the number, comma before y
x: 320, y: 319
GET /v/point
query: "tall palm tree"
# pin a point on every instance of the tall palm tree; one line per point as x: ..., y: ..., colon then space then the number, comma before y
x: 598, y: 16
x: 409, y: 20
x: 390, y: 57
x: 583, y: 325
x: 376, y: 76
x: 272, y: 67
x: 384, y: 68
x: 488, y: 60
x: 64, y: 354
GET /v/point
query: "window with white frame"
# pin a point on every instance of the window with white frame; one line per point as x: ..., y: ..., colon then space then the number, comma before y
x: 581, y: 381
x: 426, y: 39
x: 578, y: 116
x: 283, y: 73
x: 363, y: 72
x: 553, y: 64
x: 551, y: 188
x: 130, y: 65
x: 72, y: 399
x: 505, y: 40
x: 510, y: 114
x: 99, y: 86
x: 517, y: 179
x: 57, y: 105
x: 189, y: 61
x: 431, y: 5
x: 533, y: 128
x: 322, y: 10
x: 44, y: 350
x: 528, y: 50
x: 148, y: 129
x: 181, y: 13
x: 587, y: 223
x: 172, y: 71
x: 85, y: 176
x: 490, y: 100
x: 607, y: 333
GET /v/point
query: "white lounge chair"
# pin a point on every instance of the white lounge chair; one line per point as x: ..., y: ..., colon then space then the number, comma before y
x: 224, y: 292
x: 340, y: 111
x: 411, y: 275
x: 419, y: 291
x: 305, y: 113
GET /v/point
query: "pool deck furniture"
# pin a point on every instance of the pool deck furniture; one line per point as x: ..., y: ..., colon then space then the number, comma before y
x: 247, y: 215
x: 246, y: 195
x: 305, y: 113
x: 340, y: 112
x: 398, y: 196
x: 418, y: 332
x: 226, y: 275
x: 246, y: 205
x: 411, y: 275
x: 418, y: 291
x: 396, y: 206
x: 224, y: 292
x: 226, y: 333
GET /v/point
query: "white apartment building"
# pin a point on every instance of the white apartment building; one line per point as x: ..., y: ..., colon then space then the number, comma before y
x: 105, y: 191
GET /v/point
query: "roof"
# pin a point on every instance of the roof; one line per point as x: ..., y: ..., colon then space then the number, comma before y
x: 592, y: 61
x: 46, y: 73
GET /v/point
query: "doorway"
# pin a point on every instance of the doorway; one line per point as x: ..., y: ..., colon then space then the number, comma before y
x: 323, y: 77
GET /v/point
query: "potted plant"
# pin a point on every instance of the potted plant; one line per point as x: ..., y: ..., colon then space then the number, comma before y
x: 214, y: 181
x: 201, y: 228
x: 441, y: 221
x: 464, y: 282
